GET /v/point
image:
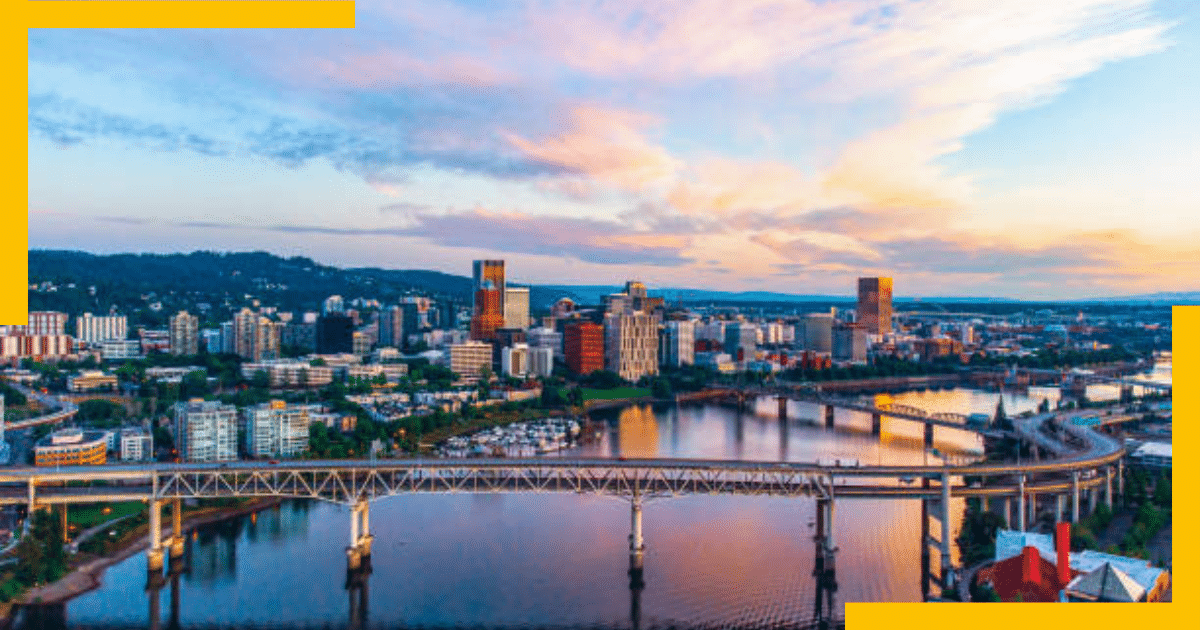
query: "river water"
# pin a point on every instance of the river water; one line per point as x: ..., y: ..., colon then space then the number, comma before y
x: 540, y: 561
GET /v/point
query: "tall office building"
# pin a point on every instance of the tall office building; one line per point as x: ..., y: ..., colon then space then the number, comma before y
x: 584, y: 347
x: 679, y: 343
x: 333, y: 304
x: 206, y: 431
x: 468, y: 360
x: 516, y: 307
x: 447, y: 315
x: 546, y: 338
x: 875, y: 305
x: 741, y: 340
x: 850, y: 342
x: 391, y: 327
x: 487, y: 314
x: 335, y: 334
x: 631, y: 344
x: 277, y: 428
x: 185, y: 333
x: 94, y: 329
x: 814, y: 332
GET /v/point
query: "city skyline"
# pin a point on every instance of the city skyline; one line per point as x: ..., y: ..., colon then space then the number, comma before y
x: 794, y: 149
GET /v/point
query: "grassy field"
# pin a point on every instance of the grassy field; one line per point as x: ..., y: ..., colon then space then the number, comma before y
x: 620, y: 392
x: 85, y: 516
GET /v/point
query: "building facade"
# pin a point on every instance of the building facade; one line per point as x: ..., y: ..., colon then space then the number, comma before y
x: 206, y: 431
x: 584, y: 347
x: 94, y: 329
x: 875, y: 305
x: 185, y: 333
x: 850, y: 342
x: 679, y: 343
x: 277, y: 429
x: 487, y: 315
x: 136, y: 445
x: 71, y: 447
x: 814, y: 332
x: 631, y: 344
x: 469, y: 359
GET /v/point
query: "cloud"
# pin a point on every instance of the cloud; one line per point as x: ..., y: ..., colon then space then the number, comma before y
x: 68, y: 123
x: 604, y: 144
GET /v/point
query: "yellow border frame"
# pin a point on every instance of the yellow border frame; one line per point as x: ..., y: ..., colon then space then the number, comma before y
x: 340, y: 14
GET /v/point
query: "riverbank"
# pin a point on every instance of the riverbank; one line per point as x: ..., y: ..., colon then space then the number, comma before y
x: 87, y: 573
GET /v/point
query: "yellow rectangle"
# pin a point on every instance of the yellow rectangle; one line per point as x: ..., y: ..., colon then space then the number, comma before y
x: 191, y: 14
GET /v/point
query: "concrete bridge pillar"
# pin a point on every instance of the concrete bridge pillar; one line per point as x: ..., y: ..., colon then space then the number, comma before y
x: 154, y: 556
x: 944, y: 551
x: 1075, y: 496
x: 825, y: 514
x: 1033, y: 514
x: 360, y: 535
x: 928, y: 435
x: 637, y: 545
x: 62, y: 513
x: 1008, y: 520
x: 783, y: 401
x: 1020, y: 503
x: 925, y: 548
x: 829, y: 416
x: 1093, y: 498
x: 876, y: 423
x: 1059, y: 500
x: 176, y: 549
x: 1121, y: 478
x: 1108, y: 493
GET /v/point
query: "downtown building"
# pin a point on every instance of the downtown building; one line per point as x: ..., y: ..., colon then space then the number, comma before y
x: 206, y: 431
x: 277, y: 429
x: 678, y: 343
x: 875, y: 305
x: 631, y: 333
x: 583, y: 344
x: 92, y: 329
x: 184, y: 333
x: 469, y: 359
x: 255, y: 337
x: 850, y: 343
x: 488, y: 289
x: 741, y: 341
x: 814, y: 332
x: 516, y: 307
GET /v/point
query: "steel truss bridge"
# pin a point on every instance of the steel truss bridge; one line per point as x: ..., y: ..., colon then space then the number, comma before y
x: 811, y: 394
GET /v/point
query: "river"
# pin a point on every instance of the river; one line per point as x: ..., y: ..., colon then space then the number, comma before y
x: 539, y: 561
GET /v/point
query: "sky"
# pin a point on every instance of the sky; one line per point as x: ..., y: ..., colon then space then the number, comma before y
x: 1018, y: 148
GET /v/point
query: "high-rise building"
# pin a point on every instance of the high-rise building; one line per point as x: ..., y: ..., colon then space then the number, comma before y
x: 814, y: 332
x: 391, y: 327
x: 850, y: 342
x: 541, y: 362
x: 185, y: 333
x: 447, y: 315
x: 487, y: 316
x: 546, y: 338
x: 94, y: 329
x: 468, y: 360
x: 277, y: 429
x: 516, y: 307
x: 137, y: 445
x: 46, y: 323
x: 679, y: 343
x: 514, y: 360
x: 206, y: 431
x: 875, y: 305
x: 255, y: 337
x: 335, y: 334
x: 631, y: 344
x: 741, y: 340
x: 584, y: 347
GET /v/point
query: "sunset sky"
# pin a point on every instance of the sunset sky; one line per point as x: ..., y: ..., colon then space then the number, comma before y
x: 1030, y: 149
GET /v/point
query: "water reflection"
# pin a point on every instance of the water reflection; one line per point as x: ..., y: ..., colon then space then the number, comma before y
x: 556, y: 560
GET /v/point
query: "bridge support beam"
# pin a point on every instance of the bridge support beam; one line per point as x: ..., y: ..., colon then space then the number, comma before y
x: 1075, y: 496
x: 1059, y: 507
x: 62, y: 513
x: 1121, y: 478
x: 928, y: 435
x: 925, y: 547
x: 1108, y: 494
x: 360, y: 535
x: 1008, y: 520
x: 154, y: 556
x: 876, y: 423
x: 783, y: 401
x: 1093, y: 498
x: 1020, y: 503
x: 1033, y: 514
x: 829, y: 416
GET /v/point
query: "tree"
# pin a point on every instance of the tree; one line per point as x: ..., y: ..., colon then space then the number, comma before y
x: 1001, y: 419
x: 661, y: 388
x: 1044, y: 407
x: 260, y: 380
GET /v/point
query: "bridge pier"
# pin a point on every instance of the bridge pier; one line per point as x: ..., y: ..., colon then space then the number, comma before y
x: 359, y: 550
x: 1020, y: 503
x: 1108, y: 493
x: 1033, y: 514
x: 1075, y: 496
x: 783, y: 401
x: 944, y: 547
x: 925, y: 538
x: 876, y: 423
x: 1008, y: 519
x: 1093, y: 499
x: 62, y: 513
x: 1059, y: 500
x: 176, y: 548
x: 928, y: 435
x: 637, y: 545
x: 154, y: 556
x: 1121, y: 478
x: 829, y: 416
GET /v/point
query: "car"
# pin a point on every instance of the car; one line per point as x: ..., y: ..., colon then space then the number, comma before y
x: 273, y: 462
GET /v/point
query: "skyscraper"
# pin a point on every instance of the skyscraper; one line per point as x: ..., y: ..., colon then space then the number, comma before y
x: 488, y: 291
x: 516, y: 307
x: 875, y: 304
x: 185, y: 333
